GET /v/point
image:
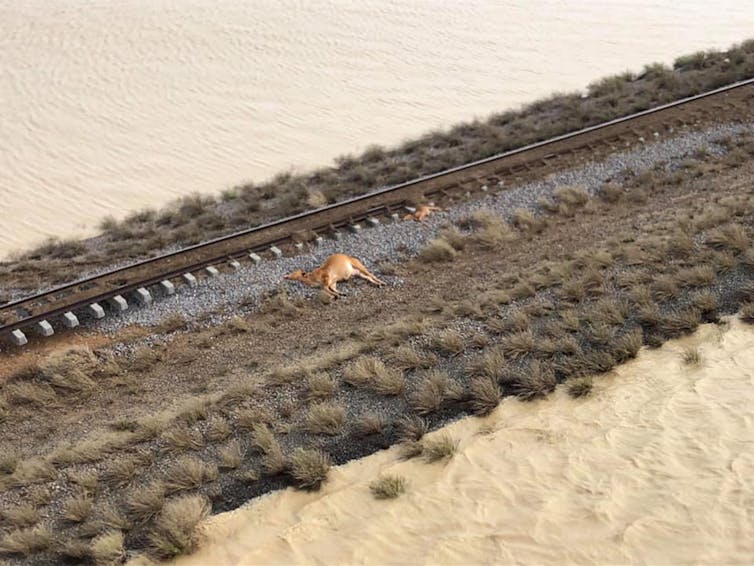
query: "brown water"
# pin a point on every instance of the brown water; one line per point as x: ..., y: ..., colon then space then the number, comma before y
x: 109, y: 107
x: 656, y: 467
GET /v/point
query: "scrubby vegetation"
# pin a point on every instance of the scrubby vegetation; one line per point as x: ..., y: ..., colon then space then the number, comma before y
x: 196, y: 218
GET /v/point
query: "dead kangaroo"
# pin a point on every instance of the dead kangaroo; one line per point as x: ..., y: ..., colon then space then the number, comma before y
x: 422, y: 211
x: 337, y: 267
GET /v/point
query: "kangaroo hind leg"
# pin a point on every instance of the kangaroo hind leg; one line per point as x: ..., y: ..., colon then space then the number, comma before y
x: 364, y: 273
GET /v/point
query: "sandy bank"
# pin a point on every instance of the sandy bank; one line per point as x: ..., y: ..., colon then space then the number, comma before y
x: 657, y: 466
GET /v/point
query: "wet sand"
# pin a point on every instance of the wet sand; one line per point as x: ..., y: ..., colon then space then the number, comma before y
x: 657, y: 467
x: 110, y: 107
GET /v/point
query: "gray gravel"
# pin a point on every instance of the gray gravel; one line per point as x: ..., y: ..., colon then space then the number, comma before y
x: 218, y: 299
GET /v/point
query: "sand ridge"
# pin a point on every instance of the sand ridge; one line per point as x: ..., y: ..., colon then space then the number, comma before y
x: 655, y: 467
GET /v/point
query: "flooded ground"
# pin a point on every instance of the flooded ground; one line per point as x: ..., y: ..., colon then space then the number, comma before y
x: 112, y: 107
x: 656, y: 467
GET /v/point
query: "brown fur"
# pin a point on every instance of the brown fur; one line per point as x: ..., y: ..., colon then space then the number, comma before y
x: 337, y: 267
x: 422, y: 212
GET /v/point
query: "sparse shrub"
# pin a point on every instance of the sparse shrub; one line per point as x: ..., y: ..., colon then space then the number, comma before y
x: 218, y: 429
x: 691, y: 356
x: 231, y: 455
x: 698, y: 276
x: 370, y: 423
x: 491, y: 364
x: 33, y: 470
x: 519, y: 344
x: 238, y: 325
x: 120, y: 471
x: 537, y: 380
x: 434, y: 388
x: 579, y: 387
x: 388, y: 486
x: 438, y: 250
x: 627, y: 345
x: 29, y: 393
x: 145, y: 502
x: 325, y: 418
x: 572, y: 196
x: 610, y: 192
x: 188, y: 472
x: 175, y: 530
x: 182, y: 437
x: 492, y: 232
x: 449, y: 342
x: 485, y: 395
x: 731, y: 236
x: 665, y: 288
x: 27, y: 541
x: 21, y: 516
x: 411, y: 428
x: 247, y: 419
x: 408, y: 358
x: 679, y: 323
x: 439, y: 448
x: 309, y: 468
x: 107, y: 548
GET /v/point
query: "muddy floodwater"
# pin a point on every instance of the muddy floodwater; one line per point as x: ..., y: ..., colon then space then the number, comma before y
x: 655, y: 467
x: 110, y: 107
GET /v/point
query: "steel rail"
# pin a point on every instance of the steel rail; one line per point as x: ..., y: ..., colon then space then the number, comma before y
x: 31, y: 309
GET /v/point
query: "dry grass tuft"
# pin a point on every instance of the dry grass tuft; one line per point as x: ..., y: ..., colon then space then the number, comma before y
x: 519, y: 344
x: 492, y: 232
x: 439, y: 448
x: 78, y: 508
x: 218, y: 429
x: 537, y: 380
x: 325, y: 418
x: 27, y: 541
x: 145, y: 502
x: 691, y: 356
x: 665, y: 288
x: 108, y: 548
x: 679, y: 323
x: 432, y: 391
x: 626, y: 346
x: 491, y: 364
x: 572, y: 196
x: 610, y: 192
x: 231, y: 455
x: 21, y: 516
x: 388, y: 486
x: 273, y: 460
x: 8, y: 462
x: 33, y: 470
x: 29, y: 393
x: 411, y: 428
x: 120, y: 472
x: 182, y: 437
x: 175, y: 530
x: 309, y: 468
x: 372, y: 373
x: 698, y: 276
x: 731, y: 236
x: 247, y: 419
x: 409, y: 358
x: 369, y: 424
x: 321, y: 385
x: 579, y: 387
x: 485, y: 395
x: 188, y: 472
x: 449, y: 342
x: 438, y: 250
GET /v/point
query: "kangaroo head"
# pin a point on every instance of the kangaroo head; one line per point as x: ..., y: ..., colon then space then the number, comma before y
x: 298, y: 275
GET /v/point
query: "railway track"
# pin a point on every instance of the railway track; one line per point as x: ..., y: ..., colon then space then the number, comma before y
x: 159, y: 275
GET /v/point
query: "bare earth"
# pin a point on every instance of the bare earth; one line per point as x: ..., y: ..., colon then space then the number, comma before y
x: 657, y: 467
